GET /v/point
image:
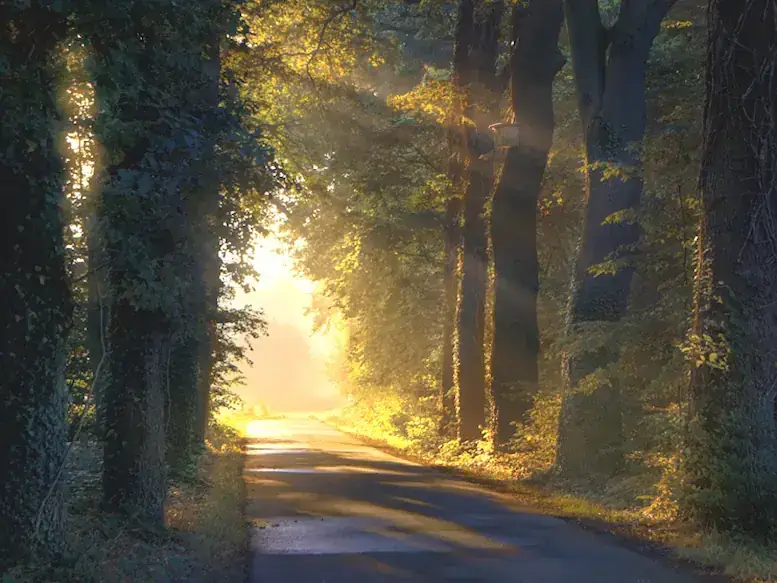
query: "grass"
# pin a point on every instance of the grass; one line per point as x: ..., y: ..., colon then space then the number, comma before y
x: 205, y: 539
x: 710, y: 556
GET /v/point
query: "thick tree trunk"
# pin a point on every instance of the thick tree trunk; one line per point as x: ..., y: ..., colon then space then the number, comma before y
x: 140, y: 224
x: 181, y: 429
x: 609, y: 67
x: 34, y: 291
x: 191, y: 359
x: 515, y: 350
x: 483, y: 88
x: 471, y: 405
x: 134, y: 480
x: 731, y: 462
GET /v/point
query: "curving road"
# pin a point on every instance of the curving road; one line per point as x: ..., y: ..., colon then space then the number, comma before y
x: 325, y: 508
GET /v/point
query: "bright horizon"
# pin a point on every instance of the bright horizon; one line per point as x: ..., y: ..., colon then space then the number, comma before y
x: 289, y: 371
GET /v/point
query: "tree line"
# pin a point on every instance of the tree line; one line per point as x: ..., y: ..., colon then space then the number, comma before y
x: 132, y: 179
x: 582, y: 299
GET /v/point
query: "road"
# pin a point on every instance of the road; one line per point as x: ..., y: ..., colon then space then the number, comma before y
x: 325, y: 508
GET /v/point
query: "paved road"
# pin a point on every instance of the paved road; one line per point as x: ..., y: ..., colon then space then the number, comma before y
x: 328, y: 509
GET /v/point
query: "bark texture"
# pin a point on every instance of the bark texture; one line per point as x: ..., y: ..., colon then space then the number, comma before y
x: 452, y: 225
x: 134, y: 481
x: 534, y: 63
x: 483, y: 87
x: 731, y: 461
x: 34, y: 292
x: 609, y: 67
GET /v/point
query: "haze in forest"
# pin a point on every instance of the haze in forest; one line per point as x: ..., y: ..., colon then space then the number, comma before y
x: 289, y: 370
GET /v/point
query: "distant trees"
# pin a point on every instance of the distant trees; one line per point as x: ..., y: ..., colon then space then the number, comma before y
x: 34, y: 289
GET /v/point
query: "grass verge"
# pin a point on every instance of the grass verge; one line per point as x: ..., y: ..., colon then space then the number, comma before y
x: 711, y: 557
x: 205, y: 540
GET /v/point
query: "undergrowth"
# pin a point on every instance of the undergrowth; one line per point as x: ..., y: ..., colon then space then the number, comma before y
x: 639, y: 505
x: 205, y: 539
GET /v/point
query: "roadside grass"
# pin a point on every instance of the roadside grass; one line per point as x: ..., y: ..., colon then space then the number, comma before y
x: 205, y: 540
x: 712, y: 556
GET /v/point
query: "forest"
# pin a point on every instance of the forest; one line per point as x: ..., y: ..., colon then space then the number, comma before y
x: 543, y: 226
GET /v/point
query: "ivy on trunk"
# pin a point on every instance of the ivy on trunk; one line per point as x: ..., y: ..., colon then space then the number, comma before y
x: 33, y: 289
x: 733, y: 345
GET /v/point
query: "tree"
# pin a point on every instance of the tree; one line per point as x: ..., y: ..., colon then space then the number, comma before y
x: 482, y: 91
x: 534, y: 63
x: 146, y: 68
x: 609, y: 64
x: 191, y: 357
x: 33, y: 286
x: 733, y: 471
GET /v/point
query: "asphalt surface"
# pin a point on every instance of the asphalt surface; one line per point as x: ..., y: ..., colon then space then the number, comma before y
x: 325, y: 508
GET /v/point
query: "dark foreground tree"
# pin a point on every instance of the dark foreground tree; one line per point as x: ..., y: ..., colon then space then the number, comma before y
x: 33, y: 287
x: 192, y: 353
x: 143, y: 66
x: 515, y: 350
x: 609, y: 63
x: 732, y: 464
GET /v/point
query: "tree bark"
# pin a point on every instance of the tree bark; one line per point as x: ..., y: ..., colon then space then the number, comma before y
x: 134, y: 481
x: 34, y: 290
x: 451, y: 285
x: 483, y: 89
x: 452, y: 224
x: 535, y: 61
x: 96, y: 318
x: 609, y: 67
x: 731, y: 461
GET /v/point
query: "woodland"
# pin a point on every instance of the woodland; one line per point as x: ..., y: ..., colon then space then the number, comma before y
x: 544, y: 227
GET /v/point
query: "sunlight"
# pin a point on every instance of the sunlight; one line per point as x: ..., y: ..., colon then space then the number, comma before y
x: 290, y: 370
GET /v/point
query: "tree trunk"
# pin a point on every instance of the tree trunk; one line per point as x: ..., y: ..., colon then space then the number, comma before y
x: 134, y: 480
x: 451, y: 284
x: 609, y: 68
x: 515, y: 350
x: 731, y: 461
x: 452, y: 227
x: 483, y: 89
x: 181, y: 416
x: 34, y: 290
x: 209, y: 250
x: 140, y: 225
x: 96, y: 318
x: 191, y: 359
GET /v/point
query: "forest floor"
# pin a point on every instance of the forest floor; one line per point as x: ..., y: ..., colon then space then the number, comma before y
x: 205, y: 539
x: 718, y: 558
